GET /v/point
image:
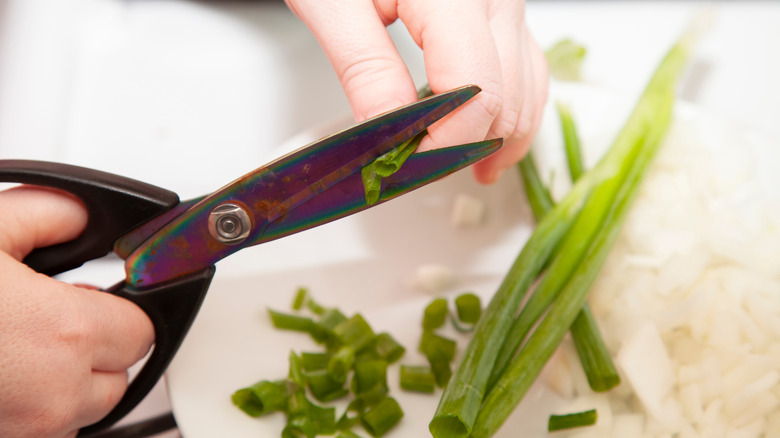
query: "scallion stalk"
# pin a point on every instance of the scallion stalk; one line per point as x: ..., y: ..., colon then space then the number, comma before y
x: 464, y: 409
x: 643, y: 134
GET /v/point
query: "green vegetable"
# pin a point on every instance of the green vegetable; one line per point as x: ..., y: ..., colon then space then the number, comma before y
x: 315, y: 361
x: 606, y: 191
x: 440, y: 352
x: 568, y: 421
x: 323, y: 386
x: 417, y: 378
x: 388, y: 348
x: 262, y: 397
x: 571, y: 141
x: 592, y: 351
x: 382, y: 417
x: 468, y: 307
x: 640, y: 138
x: 354, y: 332
x: 300, y: 298
x: 286, y: 321
x: 389, y: 163
x: 564, y: 60
x: 435, y: 314
x: 538, y: 196
x: 370, y: 380
x: 341, y: 362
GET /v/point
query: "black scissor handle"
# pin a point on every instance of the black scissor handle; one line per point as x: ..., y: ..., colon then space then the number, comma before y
x: 172, y: 308
x: 115, y: 205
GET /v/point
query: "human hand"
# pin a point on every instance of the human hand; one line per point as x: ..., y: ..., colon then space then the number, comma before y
x: 64, y: 350
x: 482, y: 42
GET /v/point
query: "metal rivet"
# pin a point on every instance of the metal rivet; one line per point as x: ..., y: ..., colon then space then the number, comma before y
x: 229, y: 223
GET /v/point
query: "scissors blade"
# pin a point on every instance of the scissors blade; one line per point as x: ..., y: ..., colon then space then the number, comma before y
x: 186, y: 244
x: 348, y: 196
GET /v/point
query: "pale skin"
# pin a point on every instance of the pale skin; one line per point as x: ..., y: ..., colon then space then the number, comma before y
x: 65, y: 350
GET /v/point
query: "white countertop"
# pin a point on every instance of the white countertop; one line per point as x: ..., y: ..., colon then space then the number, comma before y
x: 190, y: 95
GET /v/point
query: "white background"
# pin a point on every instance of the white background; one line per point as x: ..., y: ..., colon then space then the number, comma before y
x: 190, y: 95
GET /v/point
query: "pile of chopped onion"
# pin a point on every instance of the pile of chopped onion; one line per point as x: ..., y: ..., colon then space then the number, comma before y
x: 689, y: 302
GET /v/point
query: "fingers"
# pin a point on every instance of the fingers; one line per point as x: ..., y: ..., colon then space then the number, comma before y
x: 533, y: 87
x: 353, y: 36
x: 103, y: 393
x: 459, y: 48
x: 120, y: 333
x: 33, y: 217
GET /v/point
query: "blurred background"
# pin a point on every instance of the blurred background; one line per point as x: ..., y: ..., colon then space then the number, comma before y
x: 189, y: 95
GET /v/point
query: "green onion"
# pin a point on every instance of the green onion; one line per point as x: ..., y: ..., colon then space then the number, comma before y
x: 389, y: 163
x: 286, y: 321
x: 324, y: 387
x: 388, y: 348
x: 569, y: 421
x: 564, y: 60
x: 347, y: 434
x: 435, y: 314
x: 262, y: 397
x: 300, y: 298
x: 315, y: 361
x: 382, y: 417
x: 468, y: 307
x: 341, y: 362
x: 417, y: 378
x: 369, y: 374
x: 354, y: 332
x: 464, y: 408
x: 538, y: 196
x: 641, y: 137
x: 440, y: 352
x: 571, y: 141
x: 358, y: 407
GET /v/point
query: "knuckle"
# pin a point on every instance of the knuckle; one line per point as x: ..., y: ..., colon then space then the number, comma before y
x: 490, y: 100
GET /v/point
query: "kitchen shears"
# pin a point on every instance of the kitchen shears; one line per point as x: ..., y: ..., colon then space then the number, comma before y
x: 170, y: 246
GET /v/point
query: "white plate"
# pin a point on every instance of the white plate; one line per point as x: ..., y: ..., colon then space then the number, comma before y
x: 366, y: 263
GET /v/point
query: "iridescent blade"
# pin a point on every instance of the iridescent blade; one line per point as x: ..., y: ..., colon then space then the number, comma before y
x: 186, y: 244
x: 348, y: 196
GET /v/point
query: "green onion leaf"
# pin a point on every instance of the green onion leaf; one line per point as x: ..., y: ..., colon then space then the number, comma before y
x: 417, y: 378
x: 286, y: 321
x: 382, y: 417
x: 435, y: 314
x: 568, y: 421
x: 354, y: 332
x: 315, y: 361
x: 323, y: 387
x: 341, y: 363
x: 440, y: 352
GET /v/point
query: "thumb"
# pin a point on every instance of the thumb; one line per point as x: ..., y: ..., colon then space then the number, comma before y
x: 353, y: 36
x: 34, y: 217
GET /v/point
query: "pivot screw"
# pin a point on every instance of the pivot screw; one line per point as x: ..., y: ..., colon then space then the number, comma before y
x: 229, y: 223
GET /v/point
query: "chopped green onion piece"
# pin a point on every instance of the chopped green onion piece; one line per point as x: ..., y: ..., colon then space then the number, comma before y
x: 569, y: 421
x: 435, y: 314
x: 417, y: 378
x: 564, y: 59
x: 300, y: 298
x: 347, y: 434
x: 468, y: 307
x: 314, y: 306
x: 346, y: 421
x: 324, y: 419
x: 440, y: 352
x: 323, y: 387
x: 262, y: 397
x: 354, y: 332
x: 372, y: 184
x: 323, y: 328
x: 382, y: 417
x: 315, y: 361
x: 388, y: 348
x: 341, y: 363
x: 369, y: 374
x: 286, y: 321
x: 296, y: 370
